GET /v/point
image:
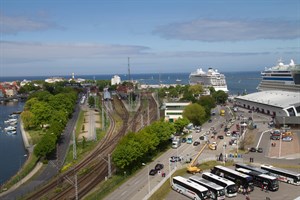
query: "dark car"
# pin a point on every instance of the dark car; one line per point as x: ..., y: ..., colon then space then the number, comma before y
x: 260, y: 150
x: 196, y: 143
x: 159, y: 166
x: 209, y: 121
x: 183, y: 140
x: 175, y: 159
x: 252, y: 149
x: 152, y: 172
x: 201, y: 138
x: 221, y: 137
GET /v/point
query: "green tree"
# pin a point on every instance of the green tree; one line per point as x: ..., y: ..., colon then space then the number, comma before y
x: 220, y: 96
x: 180, y: 123
x: 42, y: 112
x: 208, y: 102
x: 195, y: 113
x: 27, y: 119
x: 196, y: 90
x: 45, y: 146
x: 91, y: 101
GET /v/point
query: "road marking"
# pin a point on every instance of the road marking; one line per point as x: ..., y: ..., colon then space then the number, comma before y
x: 137, y: 182
x: 261, y: 137
x: 123, y: 193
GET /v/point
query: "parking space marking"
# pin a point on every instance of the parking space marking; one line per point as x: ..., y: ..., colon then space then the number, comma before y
x: 261, y: 137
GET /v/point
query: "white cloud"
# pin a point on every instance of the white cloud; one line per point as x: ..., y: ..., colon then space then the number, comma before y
x: 212, y: 30
x: 26, y: 51
x: 16, y: 24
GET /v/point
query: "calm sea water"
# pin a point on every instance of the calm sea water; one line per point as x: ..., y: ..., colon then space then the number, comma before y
x: 12, y: 149
x: 237, y: 82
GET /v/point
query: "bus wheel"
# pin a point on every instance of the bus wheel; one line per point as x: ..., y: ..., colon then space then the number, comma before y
x: 288, y: 182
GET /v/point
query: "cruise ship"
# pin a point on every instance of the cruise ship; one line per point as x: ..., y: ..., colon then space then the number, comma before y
x: 284, y: 77
x: 210, y: 78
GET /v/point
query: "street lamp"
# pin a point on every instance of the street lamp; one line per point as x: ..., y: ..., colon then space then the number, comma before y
x: 224, y: 153
x: 148, y: 177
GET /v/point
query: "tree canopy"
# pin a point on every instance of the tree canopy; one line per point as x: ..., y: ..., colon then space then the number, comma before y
x: 195, y: 113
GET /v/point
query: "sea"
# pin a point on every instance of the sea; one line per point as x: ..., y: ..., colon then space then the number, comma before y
x: 237, y: 82
x: 12, y: 151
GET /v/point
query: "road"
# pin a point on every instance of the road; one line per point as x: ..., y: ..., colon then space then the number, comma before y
x: 137, y: 187
x: 53, y: 165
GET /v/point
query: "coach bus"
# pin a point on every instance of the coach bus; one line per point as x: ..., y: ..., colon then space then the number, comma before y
x: 217, y: 192
x: 230, y: 187
x: 189, y: 188
x: 261, y: 180
x: 252, y: 168
x: 283, y: 175
x: 239, y: 178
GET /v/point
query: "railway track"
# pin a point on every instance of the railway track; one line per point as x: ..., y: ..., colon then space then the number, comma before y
x: 94, y: 168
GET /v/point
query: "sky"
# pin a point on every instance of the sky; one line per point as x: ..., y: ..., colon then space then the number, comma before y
x: 90, y: 37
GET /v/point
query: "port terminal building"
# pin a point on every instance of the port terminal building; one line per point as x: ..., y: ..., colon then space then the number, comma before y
x: 283, y: 106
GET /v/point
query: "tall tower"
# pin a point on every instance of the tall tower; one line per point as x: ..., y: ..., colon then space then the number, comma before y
x: 129, y: 76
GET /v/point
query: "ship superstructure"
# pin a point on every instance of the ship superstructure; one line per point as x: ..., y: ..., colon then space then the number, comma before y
x: 281, y: 77
x: 211, y: 78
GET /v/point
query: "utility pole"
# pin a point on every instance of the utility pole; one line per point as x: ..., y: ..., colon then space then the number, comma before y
x: 142, y: 121
x: 76, y: 187
x: 102, y: 117
x: 148, y: 113
x: 74, y: 146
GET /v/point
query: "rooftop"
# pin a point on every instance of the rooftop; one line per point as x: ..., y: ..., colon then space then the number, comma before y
x: 276, y: 98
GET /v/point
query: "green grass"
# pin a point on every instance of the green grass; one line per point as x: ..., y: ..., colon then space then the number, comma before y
x: 82, y: 150
x: 35, y: 135
x: 106, y: 187
x: 25, y: 170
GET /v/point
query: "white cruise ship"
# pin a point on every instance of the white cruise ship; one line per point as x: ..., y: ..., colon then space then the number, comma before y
x: 281, y: 77
x: 210, y: 78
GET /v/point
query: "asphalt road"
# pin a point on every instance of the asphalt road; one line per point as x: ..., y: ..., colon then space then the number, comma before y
x: 53, y: 165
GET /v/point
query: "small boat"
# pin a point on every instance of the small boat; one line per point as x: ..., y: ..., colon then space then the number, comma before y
x: 13, y: 116
x: 10, y: 121
x: 10, y: 128
x: 11, y: 132
x: 178, y: 80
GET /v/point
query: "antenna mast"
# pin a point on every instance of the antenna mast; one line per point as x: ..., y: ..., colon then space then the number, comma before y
x: 129, y: 76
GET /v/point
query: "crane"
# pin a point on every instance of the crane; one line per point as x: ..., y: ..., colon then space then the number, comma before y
x: 194, y: 169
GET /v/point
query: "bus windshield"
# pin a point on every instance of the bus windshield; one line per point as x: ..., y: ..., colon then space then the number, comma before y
x: 221, y: 193
x: 231, y: 189
x: 274, y: 182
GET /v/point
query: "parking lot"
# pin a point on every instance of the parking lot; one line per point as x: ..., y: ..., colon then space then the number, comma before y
x: 286, y: 191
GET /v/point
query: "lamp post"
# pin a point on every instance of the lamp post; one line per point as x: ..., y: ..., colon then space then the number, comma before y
x: 148, y: 177
x: 224, y: 152
x: 280, y: 139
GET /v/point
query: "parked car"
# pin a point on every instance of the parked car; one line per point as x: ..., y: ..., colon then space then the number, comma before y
x: 196, y: 143
x: 260, y: 150
x: 183, y: 140
x: 252, y: 149
x: 287, y: 139
x: 152, y: 172
x: 175, y: 159
x: 221, y: 137
x: 209, y: 121
x: 159, y: 166
x: 201, y: 137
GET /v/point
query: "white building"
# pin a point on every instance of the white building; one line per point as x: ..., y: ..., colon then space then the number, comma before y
x: 174, y: 110
x: 24, y: 82
x: 276, y: 103
x: 54, y: 79
x: 115, y: 80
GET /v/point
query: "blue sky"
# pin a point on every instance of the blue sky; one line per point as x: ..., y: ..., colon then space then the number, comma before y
x: 58, y: 37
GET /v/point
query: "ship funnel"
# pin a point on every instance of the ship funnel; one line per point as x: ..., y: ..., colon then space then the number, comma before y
x: 292, y: 63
